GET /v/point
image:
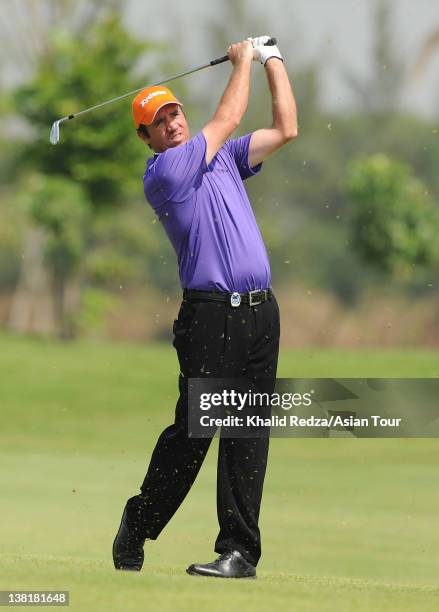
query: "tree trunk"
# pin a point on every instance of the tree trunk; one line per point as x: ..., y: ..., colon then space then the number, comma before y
x: 65, y: 299
x: 31, y: 310
x: 72, y: 304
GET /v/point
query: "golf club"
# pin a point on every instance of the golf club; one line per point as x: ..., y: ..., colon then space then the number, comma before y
x: 54, y: 132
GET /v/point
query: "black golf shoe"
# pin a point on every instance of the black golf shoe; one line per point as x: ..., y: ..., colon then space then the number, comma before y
x: 229, y: 565
x: 128, y: 547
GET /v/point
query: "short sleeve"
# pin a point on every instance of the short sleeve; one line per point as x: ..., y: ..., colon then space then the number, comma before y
x: 238, y: 147
x: 176, y: 172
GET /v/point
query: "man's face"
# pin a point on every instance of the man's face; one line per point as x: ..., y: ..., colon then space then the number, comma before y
x: 168, y: 129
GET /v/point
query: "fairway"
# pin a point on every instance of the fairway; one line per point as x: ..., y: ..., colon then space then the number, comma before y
x: 346, y: 524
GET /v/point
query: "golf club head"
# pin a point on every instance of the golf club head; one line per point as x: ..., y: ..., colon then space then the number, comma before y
x: 54, y: 132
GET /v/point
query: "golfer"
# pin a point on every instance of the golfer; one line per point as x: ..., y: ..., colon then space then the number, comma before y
x: 228, y: 323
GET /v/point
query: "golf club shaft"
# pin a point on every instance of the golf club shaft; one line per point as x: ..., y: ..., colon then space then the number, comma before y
x: 214, y: 62
x: 134, y: 91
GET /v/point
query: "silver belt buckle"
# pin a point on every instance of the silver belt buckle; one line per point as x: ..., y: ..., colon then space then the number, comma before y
x: 256, y: 301
x: 235, y: 299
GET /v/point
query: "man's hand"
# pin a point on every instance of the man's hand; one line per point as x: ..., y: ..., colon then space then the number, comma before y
x: 240, y: 52
x: 262, y: 52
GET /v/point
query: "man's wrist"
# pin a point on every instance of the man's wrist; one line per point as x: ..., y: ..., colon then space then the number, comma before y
x: 273, y: 57
x: 245, y: 61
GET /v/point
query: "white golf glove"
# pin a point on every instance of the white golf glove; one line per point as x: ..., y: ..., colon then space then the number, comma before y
x: 262, y: 53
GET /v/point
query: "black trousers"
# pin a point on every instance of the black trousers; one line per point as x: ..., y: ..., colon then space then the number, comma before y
x: 216, y: 340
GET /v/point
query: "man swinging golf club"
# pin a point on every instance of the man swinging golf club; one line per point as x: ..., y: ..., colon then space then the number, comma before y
x: 228, y: 323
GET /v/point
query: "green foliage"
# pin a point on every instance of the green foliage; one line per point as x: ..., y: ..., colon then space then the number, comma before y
x: 108, y: 267
x: 394, y: 221
x: 96, y: 306
x: 11, y: 221
x: 97, y: 165
x: 299, y: 197
x: 100, y: 151
x: 62, y: 209
x: 127, y: 245
x: 321, y: 257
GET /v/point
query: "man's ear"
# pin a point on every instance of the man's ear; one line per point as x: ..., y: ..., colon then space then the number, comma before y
x: 143, y: 137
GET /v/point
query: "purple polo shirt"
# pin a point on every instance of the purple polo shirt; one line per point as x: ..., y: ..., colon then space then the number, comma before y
x: 207, y: 215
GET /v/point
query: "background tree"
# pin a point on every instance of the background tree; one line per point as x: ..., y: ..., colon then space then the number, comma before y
x: 59, y: 208
x: 73, y: 54
x: 394, y: 221
x: 100, y: 154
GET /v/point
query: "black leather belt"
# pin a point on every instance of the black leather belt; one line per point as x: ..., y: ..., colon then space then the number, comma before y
x: 252, y: 298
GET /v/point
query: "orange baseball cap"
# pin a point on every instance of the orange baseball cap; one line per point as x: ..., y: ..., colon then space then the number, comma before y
x: 149, y: 101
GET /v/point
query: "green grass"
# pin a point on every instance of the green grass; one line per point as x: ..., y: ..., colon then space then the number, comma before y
x: 347, y: 524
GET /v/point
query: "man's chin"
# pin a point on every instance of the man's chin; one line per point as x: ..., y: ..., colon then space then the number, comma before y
x: 178, y: 140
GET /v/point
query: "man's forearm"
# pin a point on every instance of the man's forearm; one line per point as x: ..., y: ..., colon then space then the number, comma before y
x: 283, y: 102
x: 234, y: 100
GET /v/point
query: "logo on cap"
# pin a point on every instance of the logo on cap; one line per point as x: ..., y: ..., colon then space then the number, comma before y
x: 150, y: 96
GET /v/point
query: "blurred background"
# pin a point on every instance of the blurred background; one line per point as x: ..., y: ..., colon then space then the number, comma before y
x: 89, y: 289
x: 349, y: 211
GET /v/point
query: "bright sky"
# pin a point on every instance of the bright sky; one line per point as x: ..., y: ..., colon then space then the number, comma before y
x: 337, y: 32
